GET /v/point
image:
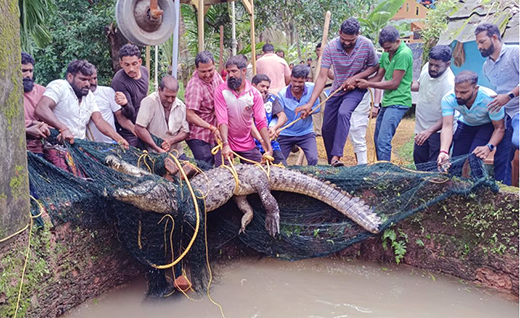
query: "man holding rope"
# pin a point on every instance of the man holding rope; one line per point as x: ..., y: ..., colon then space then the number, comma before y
x: 236, y: 104
x: 352, y: 57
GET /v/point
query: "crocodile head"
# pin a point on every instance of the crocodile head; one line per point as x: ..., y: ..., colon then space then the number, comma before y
x: 149, y: 195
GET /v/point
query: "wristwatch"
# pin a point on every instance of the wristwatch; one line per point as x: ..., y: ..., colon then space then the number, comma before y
x: 491, y: 147
x: 511, y: 95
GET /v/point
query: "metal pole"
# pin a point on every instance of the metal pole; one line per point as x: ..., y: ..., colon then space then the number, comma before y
x: 175, y: 46
x: 233, y: 30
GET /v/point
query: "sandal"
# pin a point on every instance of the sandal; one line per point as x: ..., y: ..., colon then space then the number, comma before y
x: 337, y: 163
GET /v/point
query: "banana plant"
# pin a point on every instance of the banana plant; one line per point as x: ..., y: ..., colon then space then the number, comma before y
x: 379, y: 17
x: 34, y: 15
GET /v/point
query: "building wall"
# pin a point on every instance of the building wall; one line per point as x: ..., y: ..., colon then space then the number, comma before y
x: 473, y: 62
x: 411, y: 10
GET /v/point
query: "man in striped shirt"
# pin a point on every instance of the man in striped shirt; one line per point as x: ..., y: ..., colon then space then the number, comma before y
x: 200, y: 108
x: 352, y: 57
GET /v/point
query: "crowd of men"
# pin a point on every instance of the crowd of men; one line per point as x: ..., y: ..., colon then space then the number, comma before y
x: 269, y: 114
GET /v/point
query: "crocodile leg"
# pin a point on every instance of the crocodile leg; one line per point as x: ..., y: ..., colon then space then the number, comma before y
x: 245, y: 207
x: 272, y: 219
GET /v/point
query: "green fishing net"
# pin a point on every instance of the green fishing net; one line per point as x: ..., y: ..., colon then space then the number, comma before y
x: 75, y: 185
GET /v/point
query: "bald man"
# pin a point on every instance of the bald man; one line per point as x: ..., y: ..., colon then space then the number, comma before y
x: 163, y: 115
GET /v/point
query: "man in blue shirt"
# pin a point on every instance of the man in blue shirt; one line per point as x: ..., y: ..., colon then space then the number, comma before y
x: 501, y: 69
x: 275, y: 117
x: 301, y: 133
x: 479, y: 129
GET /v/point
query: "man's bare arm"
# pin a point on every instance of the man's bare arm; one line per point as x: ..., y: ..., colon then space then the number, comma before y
x: 124, y: 121
x: 106, y: 129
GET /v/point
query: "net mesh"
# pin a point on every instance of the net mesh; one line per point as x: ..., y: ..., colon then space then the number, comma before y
x: 74, y: 185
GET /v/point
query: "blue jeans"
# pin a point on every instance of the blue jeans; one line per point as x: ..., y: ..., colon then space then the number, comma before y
x: 504, y: 154
x: 514, y: 139
x: 387, y: 122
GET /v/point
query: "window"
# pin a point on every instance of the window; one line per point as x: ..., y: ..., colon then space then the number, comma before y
x: 416, y: 10
x: 407, y: 7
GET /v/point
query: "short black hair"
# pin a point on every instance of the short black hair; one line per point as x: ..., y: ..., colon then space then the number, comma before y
x: 280, y: 51
x: 129, y: 50
x: 440, y: 53
x: 204, y: 57
x: 260, y: 78
x: 350, y: 26
x: 490, y: 29
x: 267, y: 48
x: 388, y: 34
x: 80, y: 66
x: 236, y: 60
x: 300, y: 71
x: 466, y: 76
x: 244, y: 57
x: 318, y: 46
x: 168, y: 81
x: 27, y: 58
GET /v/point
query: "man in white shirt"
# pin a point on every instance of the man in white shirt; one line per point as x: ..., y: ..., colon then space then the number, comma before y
x: 435, y: 81
x: 164, y: 115
x: 68, y: 105
x: 105, y: 100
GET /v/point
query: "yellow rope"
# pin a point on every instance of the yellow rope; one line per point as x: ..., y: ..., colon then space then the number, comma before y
x: 312, y: 110
x: 209, y: 267
x: 197, y: 224
x: 27, y: 254
x: 14, y: 234
x: 143, y: 157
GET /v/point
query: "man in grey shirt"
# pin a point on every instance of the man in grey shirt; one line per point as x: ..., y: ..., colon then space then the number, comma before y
x: 501, y: 68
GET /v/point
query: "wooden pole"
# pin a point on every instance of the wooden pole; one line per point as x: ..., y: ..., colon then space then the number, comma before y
x: 147, y: 59
x: 253, y: 41
x: 323, y: 43
x: 201, y: 25
x: 220, y: 60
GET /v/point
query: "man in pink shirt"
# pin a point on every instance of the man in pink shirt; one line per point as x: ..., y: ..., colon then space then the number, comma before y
x: 275, y: 68
x: 32, y: 92
x: 237, y: 103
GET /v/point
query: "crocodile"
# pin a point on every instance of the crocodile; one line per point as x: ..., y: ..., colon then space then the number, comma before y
x: 221, y: 184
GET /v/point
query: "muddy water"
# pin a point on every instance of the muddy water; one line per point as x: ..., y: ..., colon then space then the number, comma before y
x: 312, y: 289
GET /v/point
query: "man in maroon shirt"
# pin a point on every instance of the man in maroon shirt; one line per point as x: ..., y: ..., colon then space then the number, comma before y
x: 131, y: 86
x: 32, y: 92
x: 200, y: 108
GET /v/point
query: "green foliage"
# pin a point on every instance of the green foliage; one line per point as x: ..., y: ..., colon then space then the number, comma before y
x: 34, y: 15
x: 379, y: 17
x: 436, y: 22
x: 397, y: 243
x: 77, y: 31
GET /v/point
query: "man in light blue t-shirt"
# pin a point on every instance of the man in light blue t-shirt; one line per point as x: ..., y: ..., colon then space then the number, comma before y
x: 479, y: 129
x: 301, y: 133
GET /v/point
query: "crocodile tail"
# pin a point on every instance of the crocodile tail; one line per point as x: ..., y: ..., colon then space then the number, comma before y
x: 352, y: 207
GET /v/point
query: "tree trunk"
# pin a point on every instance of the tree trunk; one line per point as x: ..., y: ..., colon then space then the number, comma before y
x: 14, y: 184
x: 116, y: 40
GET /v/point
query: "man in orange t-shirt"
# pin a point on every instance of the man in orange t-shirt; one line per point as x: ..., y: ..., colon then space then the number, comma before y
x: 275, y: 68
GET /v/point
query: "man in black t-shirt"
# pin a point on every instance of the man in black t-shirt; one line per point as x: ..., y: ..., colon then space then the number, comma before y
x: 131, y: 86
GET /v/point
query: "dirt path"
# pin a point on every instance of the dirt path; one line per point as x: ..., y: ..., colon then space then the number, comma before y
x: 403, y: 136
